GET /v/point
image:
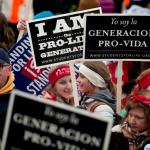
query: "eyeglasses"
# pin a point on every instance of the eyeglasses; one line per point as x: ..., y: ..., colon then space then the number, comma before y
x: 1, y: 66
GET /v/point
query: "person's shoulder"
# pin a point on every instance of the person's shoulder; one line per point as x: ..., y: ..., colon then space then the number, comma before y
x: 117, y: 129
x: 104, y: 108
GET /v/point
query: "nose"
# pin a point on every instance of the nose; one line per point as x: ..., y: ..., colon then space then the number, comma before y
x: 69, y: 85
x: 132, y: 120
x: 78, y: 80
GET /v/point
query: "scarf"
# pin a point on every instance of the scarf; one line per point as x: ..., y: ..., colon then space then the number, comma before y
x: 135, y: 140
x: 8, y: 86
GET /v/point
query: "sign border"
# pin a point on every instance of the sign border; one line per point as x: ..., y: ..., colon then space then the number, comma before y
x: 58, y: 105
x: 52, y: 17
x: 84, y: 37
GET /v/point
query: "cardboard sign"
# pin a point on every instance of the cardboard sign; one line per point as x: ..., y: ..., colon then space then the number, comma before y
x: 57, y: 39
x: 34, y: 123
x: 27, y: 78
x: 117, y: 37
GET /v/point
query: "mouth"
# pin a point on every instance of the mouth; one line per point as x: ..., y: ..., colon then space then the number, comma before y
x: 133, y: 127
x: 70, y: 91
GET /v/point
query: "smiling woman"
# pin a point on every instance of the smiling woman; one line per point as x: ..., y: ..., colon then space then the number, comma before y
x: 134, y: 131
x: 60, y: 88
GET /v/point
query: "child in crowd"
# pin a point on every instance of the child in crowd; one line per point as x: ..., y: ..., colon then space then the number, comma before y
x: 133, y: 133
x: 60, y: 88
x: 94, y: 77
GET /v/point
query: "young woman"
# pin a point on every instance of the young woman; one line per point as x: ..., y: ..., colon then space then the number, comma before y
x: 60, y: 88
x: 94, y: 77
x: 133, y: 133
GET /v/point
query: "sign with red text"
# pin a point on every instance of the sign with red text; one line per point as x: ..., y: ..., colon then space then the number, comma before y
x: 35, y: 123
x: 57, y: 39
x: 27, y: 78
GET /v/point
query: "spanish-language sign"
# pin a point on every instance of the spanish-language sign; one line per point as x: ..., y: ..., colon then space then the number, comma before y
x: 57, y: 39
x: 117, y: 37
x: 35, y: 123
x: 27, y: 78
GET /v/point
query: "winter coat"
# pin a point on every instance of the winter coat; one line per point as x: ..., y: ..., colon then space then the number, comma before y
x: 119, y: 142
x: 101, y: 110
x: 135, y: 9
x: 108, y: 6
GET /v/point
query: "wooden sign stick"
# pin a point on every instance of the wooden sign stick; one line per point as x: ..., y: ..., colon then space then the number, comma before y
x: 119, y: 89
x: 74, y: 84
x: 25, y: 17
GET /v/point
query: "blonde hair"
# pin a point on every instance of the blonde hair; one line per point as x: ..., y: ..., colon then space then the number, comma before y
x: 100, y: 68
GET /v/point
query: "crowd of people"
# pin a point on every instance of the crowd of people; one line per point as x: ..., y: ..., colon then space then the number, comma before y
x: 130, y: 131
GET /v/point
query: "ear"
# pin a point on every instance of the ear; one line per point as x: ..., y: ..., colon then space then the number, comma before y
x: 9, y: 70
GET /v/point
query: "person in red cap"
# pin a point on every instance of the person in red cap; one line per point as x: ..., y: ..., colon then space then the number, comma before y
x: 133, y: 133
x: 60, y: 88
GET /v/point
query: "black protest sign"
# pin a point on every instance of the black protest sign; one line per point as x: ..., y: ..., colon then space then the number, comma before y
x: 34, y: 123
x: 59, y: 39
x: 117, y: 37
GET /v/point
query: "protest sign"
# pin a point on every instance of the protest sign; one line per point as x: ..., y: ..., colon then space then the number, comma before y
x: 27, y: 78
x: 117, y: 37
x: 34, y: 123
x: 58, y: 39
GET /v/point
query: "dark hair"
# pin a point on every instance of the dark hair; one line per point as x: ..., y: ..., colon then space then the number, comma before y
x: 100, y: 68
x: 142, y: 3
x: 130, y: 104
x: 7, y: 36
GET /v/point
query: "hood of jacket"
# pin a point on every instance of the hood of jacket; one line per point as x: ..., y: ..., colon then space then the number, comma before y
x: 135, y: 9
x: 104, y: 96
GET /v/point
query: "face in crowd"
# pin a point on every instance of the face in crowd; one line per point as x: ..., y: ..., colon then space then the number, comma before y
x: 138, y: 120
x: 85, y: 84
x: 64, y: 87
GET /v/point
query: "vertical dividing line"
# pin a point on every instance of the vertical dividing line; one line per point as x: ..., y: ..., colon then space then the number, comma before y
x: 74, y: 84
x: 119, y: 87
x: 25, y: 17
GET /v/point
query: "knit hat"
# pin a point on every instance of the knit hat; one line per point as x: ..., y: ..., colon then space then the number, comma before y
x: 4, y: 57
x: 142, y: 3
x: 107, y: 6
x: 43, y: 14
x: 58, y: 73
